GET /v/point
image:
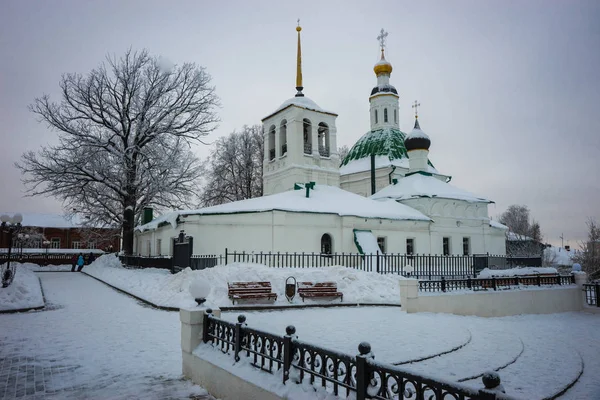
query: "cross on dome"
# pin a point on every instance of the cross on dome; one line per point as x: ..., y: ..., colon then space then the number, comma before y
x: 381, y: 38
x: 416, y: 107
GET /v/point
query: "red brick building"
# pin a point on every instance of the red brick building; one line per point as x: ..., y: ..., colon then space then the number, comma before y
x: 56, y: 232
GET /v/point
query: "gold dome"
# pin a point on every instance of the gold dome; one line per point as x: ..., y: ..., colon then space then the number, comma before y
x: 383, y: 66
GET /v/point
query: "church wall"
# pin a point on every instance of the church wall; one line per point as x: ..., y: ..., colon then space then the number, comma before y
x: 360, y: 182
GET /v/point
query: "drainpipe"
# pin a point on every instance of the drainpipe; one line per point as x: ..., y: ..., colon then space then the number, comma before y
x: 372, y: 174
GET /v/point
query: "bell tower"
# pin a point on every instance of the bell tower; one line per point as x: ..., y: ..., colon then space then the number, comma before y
x: 384, y: 97
x: 300, y: 141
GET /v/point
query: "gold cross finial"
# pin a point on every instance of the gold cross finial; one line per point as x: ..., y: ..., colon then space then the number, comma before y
x: 416, y: 107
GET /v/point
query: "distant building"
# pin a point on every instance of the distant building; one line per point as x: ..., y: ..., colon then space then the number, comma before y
x: 62, y: 234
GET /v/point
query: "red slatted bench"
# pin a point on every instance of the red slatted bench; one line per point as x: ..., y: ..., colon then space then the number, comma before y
x: 250, y: 291
x: 319, y: 289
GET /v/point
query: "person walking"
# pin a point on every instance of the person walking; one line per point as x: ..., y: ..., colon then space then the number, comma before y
x: 73, y: 262
x: 80, y: 262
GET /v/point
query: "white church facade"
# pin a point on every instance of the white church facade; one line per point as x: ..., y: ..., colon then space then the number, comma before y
x: 312, y: 204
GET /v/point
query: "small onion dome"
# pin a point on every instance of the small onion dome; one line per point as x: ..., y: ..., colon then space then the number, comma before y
x: 383, y: 66
x: 417, y: 139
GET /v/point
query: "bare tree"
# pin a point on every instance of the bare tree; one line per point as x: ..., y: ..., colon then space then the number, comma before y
x: 234, y: 170
x: 125, y: 131
x: 524, y: 237
x: 589, y: 256
x: 343, y: 152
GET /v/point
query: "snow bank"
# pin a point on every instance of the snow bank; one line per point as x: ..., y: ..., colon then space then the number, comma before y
x: 161, y: 288
x: 488, y: 273
x: 25, y: 291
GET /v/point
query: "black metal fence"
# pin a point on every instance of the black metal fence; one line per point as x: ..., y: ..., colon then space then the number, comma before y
x: 494, y: 283
x: 40, y: 259
x: 147, y: 262
x: 592, y: 293
x: 416, y: 265
x: 338, y: 373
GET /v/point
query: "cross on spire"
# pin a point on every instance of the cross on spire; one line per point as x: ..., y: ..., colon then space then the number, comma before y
x: 381, y: 38
x: 298, y: 21
x: 416, y: 107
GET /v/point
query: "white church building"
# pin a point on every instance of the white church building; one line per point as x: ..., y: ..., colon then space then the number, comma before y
x: 384, y: 196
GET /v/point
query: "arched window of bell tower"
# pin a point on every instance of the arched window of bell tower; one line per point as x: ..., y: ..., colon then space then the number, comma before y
x: 307, y: 136
x: 376, y: 119
x: 283, y: 137
x: 385, y: 117
x: 272, y: 143
x: 395, y: 117
x: 323, y: 135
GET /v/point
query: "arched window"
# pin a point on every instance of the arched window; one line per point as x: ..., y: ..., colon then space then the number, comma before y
x: 326, y: 244
x: 376, y: 119
x: 385, y: 119
x: 307, y: 129
x: 283, y: 137
x: 395, y: 117
x: 323, y: 135
x: 272, y: 143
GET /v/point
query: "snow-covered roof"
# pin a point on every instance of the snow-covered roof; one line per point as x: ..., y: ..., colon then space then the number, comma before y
x: 388, y: 146
x: 323, y: 199
x: 49, y: 220
x: 302, y: 102
x: 496, y: 224
x: 364, y: 164
x: 559, y: 256
x: 424, y: 185
x: 517, y: 237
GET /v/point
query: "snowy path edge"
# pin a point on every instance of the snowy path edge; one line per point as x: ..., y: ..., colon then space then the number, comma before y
x: 27, y: 309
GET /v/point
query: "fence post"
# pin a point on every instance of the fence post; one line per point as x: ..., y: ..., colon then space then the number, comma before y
x: 469, y: 285
x: 443, y: 284
x: 237, y: 345
x: 288, y: 351
x: 377, y: 261
x: 494, y: 282
x: 362, y: 371
x: 597, y: 287
x: 558, y: 279
x: 225, y: 255
x: 205, y: 321
x: 539, y: 280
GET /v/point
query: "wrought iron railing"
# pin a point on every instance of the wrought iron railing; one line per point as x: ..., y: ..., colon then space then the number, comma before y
x: 307, y: 148
x: 494, y: 283
x: 338, y: 373
x: 416, y: 265
x: 592, y: 293
x: 324, y: 151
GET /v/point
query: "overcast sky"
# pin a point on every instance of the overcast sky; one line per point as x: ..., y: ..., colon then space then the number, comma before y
x: 510, y: 90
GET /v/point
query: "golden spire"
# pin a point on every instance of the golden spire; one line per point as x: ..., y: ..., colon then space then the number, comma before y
x: 299, y: 65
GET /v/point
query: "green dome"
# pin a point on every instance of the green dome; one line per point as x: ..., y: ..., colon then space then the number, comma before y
x: 381, y: 142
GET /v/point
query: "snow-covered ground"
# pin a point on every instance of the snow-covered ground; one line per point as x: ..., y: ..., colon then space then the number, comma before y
x: 24, y: 292
x: 160, y: 287
x: 539, y: 354
x: 91, y: 343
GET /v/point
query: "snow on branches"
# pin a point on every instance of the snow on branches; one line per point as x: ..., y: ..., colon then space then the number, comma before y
x: 125, y: 131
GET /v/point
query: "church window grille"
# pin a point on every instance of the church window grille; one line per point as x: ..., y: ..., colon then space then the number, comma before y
x: 376, y: 119
x: 381, y: 243
x: 307, y: 130
x: 446, y: 246
x: 323, y: 135
x: 385, y: 117
x: 283, y: 137
x: 272, y: 143
x: 466, y: 246
x: 410, y: 246
x: 326, y: 244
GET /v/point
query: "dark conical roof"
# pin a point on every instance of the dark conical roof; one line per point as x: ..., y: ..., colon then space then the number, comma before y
x: 417, y: 139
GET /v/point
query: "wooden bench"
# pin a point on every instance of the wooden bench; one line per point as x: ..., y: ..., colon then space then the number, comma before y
x: 250, y: 291
x: 319, y: 289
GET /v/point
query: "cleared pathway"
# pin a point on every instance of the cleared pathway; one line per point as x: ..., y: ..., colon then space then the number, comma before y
x: 91, y: 342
